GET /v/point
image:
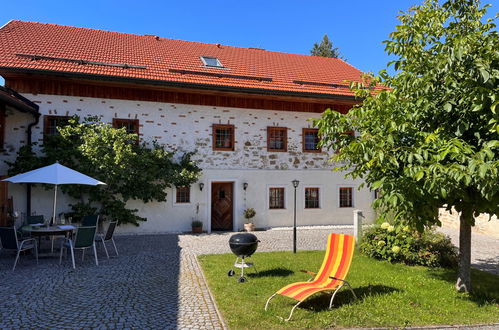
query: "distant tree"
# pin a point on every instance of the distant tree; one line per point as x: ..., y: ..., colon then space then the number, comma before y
x: 432, y: 139
x: 325, y: 49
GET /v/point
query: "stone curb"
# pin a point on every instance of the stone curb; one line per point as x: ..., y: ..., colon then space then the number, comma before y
x: 213, y: 301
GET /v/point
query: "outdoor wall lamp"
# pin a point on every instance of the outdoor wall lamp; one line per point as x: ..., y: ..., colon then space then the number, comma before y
x: 201, y: 186
x: 245, y: 185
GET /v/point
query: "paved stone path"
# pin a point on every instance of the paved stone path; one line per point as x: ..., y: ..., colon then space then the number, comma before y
x: 484, y: 249
x: 156, y: 282
x: 153, y: 284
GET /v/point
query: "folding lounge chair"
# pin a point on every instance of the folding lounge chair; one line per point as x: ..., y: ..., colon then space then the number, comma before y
x: 331, y: 276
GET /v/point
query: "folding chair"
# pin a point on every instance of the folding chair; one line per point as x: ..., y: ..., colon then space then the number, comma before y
x: 103, y: 238
x: 331, y: 276
x: 90, y: 220
x: 9, y: 241
x: 84, y: 239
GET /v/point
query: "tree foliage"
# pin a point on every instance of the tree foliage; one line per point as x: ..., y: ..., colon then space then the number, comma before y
x: 325, y: 49
x: 131, y: 171
x: 431, y: 139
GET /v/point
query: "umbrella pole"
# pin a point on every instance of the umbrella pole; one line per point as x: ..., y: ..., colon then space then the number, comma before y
x: 55, y: 203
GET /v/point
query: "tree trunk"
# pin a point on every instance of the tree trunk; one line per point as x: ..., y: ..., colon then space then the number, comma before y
x: 463, y: 283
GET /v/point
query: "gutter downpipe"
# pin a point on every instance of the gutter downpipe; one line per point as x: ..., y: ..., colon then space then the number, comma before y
x: 29, y: 139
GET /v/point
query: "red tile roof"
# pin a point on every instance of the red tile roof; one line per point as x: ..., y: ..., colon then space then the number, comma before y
x: 73, y: 50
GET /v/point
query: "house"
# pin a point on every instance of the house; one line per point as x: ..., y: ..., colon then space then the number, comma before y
x: 244, y: 110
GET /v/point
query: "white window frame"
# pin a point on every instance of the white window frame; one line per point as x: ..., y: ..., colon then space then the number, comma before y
x: 219, y: 64
x: 338, y: 195
x: 285, y: 197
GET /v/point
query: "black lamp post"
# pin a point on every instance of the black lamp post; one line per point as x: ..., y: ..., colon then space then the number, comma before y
x: 295, y: 185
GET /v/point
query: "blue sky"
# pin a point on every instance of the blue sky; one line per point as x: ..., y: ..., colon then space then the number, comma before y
x: 357, y: 28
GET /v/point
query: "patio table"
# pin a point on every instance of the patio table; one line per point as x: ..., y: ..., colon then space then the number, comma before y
x: 58, y: 230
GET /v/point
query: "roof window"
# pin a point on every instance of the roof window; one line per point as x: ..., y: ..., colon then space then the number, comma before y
x: 211, y: 62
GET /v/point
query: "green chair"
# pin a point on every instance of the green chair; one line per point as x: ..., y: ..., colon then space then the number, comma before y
x: 30, y: 220
x: 9, y: 241
x: 103, y: 238
x: 84, y: 239
x: 34, y: 219
x: 89, y: 221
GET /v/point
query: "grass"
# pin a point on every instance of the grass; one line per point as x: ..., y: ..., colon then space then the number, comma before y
x: 390, y: 295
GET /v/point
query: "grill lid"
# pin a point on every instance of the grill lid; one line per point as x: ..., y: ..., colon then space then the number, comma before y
x: 244, y: 244
x: 243, y: 239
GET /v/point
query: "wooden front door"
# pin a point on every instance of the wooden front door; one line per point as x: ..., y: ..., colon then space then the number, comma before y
x: 4, y: 203
x: 222, y: 205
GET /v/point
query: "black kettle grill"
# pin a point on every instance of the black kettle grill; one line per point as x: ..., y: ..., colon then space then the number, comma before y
x: 243, y: 245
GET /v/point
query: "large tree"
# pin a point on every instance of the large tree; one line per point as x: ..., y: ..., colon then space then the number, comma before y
x: 130, y: 170
x: 325, y: 49
x: 429, y: 138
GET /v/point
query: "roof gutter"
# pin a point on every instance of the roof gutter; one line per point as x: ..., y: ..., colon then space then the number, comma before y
x: 163, y: 83
x: 16, y: 100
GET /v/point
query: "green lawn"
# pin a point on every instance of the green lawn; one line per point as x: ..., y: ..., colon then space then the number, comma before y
x: 389, y: 294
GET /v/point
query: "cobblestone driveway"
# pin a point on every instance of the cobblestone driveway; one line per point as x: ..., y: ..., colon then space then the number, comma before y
x: 152, y: 284
x: 156, y: 282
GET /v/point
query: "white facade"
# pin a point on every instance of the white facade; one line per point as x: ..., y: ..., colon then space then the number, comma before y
x: 189, y: 128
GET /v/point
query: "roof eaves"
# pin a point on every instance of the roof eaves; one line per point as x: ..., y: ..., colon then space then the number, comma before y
x: 17, y: 101
x: 165, y: 83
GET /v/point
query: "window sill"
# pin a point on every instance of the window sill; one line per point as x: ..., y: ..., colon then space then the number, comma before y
x: 182, y: 204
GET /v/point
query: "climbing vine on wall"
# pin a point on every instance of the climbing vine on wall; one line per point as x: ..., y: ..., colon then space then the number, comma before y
x: 131, y: 171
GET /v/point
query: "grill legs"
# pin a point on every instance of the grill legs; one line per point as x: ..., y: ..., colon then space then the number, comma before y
x: 241, y: 265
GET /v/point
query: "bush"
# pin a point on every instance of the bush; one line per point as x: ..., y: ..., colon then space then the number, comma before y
x: 197, y: 223
x: 402, y: 244
x: 249, y: 213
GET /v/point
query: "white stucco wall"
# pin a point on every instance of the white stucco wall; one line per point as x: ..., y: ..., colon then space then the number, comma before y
x: 187, y: 128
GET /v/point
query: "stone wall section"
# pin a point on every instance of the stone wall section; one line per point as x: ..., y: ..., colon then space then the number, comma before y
x: 189, y: 128
x: 484, y: 224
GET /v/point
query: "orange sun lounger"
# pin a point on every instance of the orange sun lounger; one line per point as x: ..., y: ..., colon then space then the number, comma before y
x: 331, y: 276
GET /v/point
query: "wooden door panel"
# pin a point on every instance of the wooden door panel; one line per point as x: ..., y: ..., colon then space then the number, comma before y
x: 4, y: 203
x: 222, y: 206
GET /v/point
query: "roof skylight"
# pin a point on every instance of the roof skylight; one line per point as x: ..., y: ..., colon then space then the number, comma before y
x: 211, y: 62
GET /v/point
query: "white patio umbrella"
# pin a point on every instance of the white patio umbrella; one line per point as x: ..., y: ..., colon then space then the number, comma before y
x: 55, y: 174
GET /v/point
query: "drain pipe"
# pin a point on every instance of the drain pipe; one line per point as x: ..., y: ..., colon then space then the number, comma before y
x: 29, y: 139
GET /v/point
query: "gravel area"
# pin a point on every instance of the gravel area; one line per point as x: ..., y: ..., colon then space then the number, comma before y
x: 156, y: 282
x: 484, y: 249
x: 280, y: 239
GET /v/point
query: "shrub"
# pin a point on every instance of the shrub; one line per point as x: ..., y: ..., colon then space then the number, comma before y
x: 197, y: 223
x: 249, y: 213
x: 402, y: 244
